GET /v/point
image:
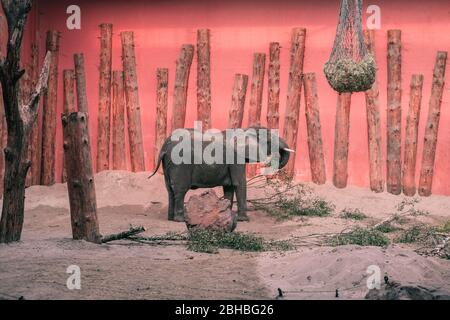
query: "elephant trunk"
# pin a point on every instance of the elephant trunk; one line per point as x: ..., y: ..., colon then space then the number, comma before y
x: 285, y: 154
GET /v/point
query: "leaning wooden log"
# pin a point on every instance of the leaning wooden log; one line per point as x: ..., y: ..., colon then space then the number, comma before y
x: 431, y: 130
x: 123, y: 235
x: 104, y: 98
x: 132, y: 102
x: 376, y: 175
x: 162, y: 79
x: 273, y: 101
x: 294, y: 93
x: 341, y: 140
x: 20, y: 120
x: 236, y: 114
x: 315, y: 144
x: 412, y: 131
x: 80, y: 177
x: 49, y: 112
x: 68, y: 106
x: 394, y: 113
x: 256, y: 95
x: 119, y: 154
x: 204, y: 78
x: 184, y: 63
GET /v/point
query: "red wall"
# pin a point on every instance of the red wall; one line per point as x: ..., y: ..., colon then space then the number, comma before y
x: 240, y: 28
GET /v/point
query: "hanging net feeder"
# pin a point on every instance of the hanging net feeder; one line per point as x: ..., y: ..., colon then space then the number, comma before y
x: 351, y: 68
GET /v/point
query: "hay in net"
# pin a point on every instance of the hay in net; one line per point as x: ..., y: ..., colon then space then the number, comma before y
x: 351, y: 68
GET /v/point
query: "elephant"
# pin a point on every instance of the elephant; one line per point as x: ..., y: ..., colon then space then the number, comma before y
x: 197, y: 172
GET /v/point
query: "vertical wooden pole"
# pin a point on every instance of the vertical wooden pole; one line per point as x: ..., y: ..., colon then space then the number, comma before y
x: 184, y: 63
x: 204, y: 78
x: 80, y: 77
x: 162, y: 79
x: 341, y: 140
x: 431, y: 130
x: 3, y: 137
x: 104, y: 100
x: 68, y: 106
x: 256, y: 95
x: 394, y: 112
x: 36, y: 133
x: 294, y: 93
x: 132, y: 101
x: 80, y: 180
x: 119, y: 155
x: 49, y: 112
x: 256, y: 90
x: 412, y: 130
x: 238, y: 101
x: 273, y: 101
x: 373, y: 125
x: 315, y: 144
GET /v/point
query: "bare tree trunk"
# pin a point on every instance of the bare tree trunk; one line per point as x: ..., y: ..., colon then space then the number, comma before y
x: 373, y: 125
x: 118, y: 133
x: 412, y: 131
x: 294, y: 93
x: 49, y: 113
x: 20, y: 118
x: 431, y: 130
x: 68, y: 106
x: 256, y: 95
x: 104, y: 100
x: 273, y: 101
x: 184, y: 63
x: 80, y: 77
x: 394, y: 113
x: 80, y: 180
x: 132, y: 101
x: 204, y: 78
x: 341, y: 140
x: 162, y: 79
x: 315, y: 144
x: 238, y: 101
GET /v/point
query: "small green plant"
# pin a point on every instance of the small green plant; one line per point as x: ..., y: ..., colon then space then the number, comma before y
x: 445, y: 228
x: 211, y: 241
x: 353, y: 214
x: 418, y: 234
x: 386, y: 227
x: 408, y: 207
x: 360, y: 237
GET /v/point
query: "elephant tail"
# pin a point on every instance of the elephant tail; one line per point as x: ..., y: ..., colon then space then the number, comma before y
x: 157, y: 166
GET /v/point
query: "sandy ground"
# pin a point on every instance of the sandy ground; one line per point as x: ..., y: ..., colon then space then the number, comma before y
x: 36, y: 267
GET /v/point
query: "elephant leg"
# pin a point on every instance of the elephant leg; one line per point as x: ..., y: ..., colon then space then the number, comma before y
x: 171, y: 211
x: 228, y: 193
x: 179, y: 206
x: 241, y: 196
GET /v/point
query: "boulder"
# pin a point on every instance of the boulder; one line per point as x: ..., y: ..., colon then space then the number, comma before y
x: 207, y: 211
x: 396, y: 291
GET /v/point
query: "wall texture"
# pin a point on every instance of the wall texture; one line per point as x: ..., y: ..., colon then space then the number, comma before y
x: 240, y: 28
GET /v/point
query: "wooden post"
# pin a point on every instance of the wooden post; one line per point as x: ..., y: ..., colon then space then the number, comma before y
x: 104, y: 100
x: 256, y: 90
x: 204, y: 78
x: 132, y: 101
x: 394, y: 112
x: 341, y: 140
x: 119, y: 154
x: 256, y: 95
x: 184, y: 63
x: 80, y: 77
x: 431, y: 130
x: 80, y: 180
x: 238, y: 101
x: 273, y: 101
x: 49, y: 112
x: 162, y: 78
x: 315, y: 144
x: 68, y: 106
x: 373, y: 125
x: 294, y: 93
x: 412, y: 130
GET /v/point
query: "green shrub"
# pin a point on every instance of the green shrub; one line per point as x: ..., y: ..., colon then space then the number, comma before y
x: 360, y: 237
x: 353, y: 214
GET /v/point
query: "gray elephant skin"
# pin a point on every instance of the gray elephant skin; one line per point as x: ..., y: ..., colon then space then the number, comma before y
x: 182, y: 177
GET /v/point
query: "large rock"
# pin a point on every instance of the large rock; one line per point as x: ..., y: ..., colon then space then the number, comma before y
x: 396, y: 291
x: 208, y: 211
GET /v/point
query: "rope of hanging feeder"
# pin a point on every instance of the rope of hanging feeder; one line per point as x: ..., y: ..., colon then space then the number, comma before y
x: 351, y: 68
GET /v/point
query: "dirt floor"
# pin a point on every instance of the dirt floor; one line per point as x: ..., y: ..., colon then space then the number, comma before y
x: 36, y: 267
